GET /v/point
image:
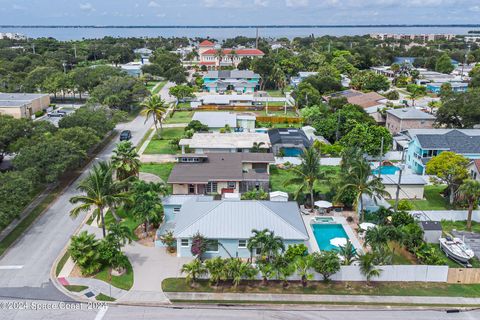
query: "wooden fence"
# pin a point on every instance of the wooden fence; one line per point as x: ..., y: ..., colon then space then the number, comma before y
x: 463, y: 275
x: 279, y: 119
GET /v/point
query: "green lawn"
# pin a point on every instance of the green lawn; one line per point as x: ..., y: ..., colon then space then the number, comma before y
x: 124, y: 281
x: 448, y: 226
x: 159, y: 169
x: 184, y: 105
x: 61, y: 263
x: 162, y: 145
x: 127, y: 220
x: 158, y: 88
x: 434, y: 200
x: 75, y: 288
x: 279, y: 177
x: 334, y: 287
x: 180, y: 117
x: 279, y: 113
x: 104, y: 297
x: 275, y: 93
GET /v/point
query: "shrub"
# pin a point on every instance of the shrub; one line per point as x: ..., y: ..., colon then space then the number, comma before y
x: 402, y: 218
x: 255, y: 194
x: 296, y: 250
x: 84, y: 252
x: 405, y: 205
x: 199, y: 245
x: 392, y: 95
x: 430, y: 255
x: 39, y: 113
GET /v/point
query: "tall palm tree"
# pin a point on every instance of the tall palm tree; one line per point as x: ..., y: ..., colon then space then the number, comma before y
x: 156, y: 108
x: 348, y: 253
x: 359, y: 178
x: 219, y: 54
x: 233, y: 56
x: 100, y: 191
x: 470, y: 189
x: 266, y: 242
x: 126, y: 160
x: 307, y: 174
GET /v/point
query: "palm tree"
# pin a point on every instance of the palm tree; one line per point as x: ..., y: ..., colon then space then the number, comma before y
x: 257, y: 147
x: 100, y: 191
x: 304, y: 265
x: 470, y: 189
x: 126, y: 160
x: 307, y: 174
x: 377, y: 237
x: 266, y: 269
x: 156, y: 108
x: 193, y: 270
x: 348, y: 253
x: 359, y: 178
x: 233, y: 56
x: 267, y: 242
x: 237, y: 270
x: 219, y: 54
x: 216, y: 269
x: 367, y: 266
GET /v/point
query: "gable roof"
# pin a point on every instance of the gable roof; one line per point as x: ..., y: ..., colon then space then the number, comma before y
x: 452, y: 140
x: 206, y: 43
x: 235, y: 219
x: 232, y: 140
x: 410, y: 114
x: 364, y: 100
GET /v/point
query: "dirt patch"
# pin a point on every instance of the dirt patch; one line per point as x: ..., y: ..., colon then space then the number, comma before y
x: 145, y: 239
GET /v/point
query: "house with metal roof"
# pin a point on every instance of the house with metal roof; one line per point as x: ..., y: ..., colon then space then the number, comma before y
x: 289, y: 141
x: 228, y: 225
x: 220, y: 173
x: 408, y: 118
x: 209, y: 142
x: 423, y: 144
x: 240, y: 81
x: 215, y: 121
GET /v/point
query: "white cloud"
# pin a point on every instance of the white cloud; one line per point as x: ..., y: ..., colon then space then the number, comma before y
x: 474, y: 8
x: 86, y: 7
x: 153, y: 4
x: 296, y: 3
x: 161, y: 15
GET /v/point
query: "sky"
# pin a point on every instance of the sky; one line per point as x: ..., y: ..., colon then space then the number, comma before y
x: 237, y: 12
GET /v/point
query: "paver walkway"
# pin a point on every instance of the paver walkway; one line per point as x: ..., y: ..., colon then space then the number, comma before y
x: 322, y: 298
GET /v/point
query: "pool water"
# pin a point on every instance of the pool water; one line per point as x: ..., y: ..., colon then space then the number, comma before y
x: 292, y: 152
x: 386, y: 170
x: 324, y: 219
x: 325, y: 232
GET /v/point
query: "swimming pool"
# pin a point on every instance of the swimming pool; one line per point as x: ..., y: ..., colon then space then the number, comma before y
x: 386, y: 170
x: 325, y: 232
x: 323, y: 220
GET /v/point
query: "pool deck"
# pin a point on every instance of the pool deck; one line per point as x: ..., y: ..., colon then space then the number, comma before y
x: 312, y: 243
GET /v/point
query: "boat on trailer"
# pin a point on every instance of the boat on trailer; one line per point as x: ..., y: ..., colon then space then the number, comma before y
x: 456, y: 249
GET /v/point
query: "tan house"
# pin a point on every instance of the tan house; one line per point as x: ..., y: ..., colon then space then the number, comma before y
x: 408, y: 118
x: 219, y: 173
x: 210, y: 57
x: 474, y: 169
x: 23, y: 105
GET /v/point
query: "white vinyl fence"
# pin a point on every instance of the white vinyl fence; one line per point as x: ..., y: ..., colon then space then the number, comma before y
x: 394, y: 273
x: 451, y: 215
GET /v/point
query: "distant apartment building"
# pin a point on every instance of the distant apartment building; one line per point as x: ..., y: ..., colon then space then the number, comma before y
x: 412, y: 37
x: 23, y: 105
x: 213, y: 57
x: 408, y: 118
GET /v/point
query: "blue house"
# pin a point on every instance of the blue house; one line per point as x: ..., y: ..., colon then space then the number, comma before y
x: 427, y: 143
x: 228, y: 225
x: 456, y: 87
x: 241, y: 81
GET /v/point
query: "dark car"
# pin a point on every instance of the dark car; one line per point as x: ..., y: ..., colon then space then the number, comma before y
x: 125, y: 135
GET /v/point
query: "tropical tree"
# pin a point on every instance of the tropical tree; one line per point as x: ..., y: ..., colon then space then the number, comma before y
x: 126, y: 160
x: 100, y: 191
x: 368, y: 267
x: 266, y: 269
x: 326, y: 263
x: 147, y: 205
x: 347, y: 253
x: 110, y: 247
x: 169, y: 240
x: 236, y: 270
x: 470, y: 189
x: 359, y: 178
x: 257, y: 147
x: 219, y: 54
x: 193, y: 270
x: 304, y: 265
x: 266, y: 243
x: 216, y: 269
x: 156, y: 108
x: 84, y: 252
x: 283, y: 268
x: 307, y: 174
x: 377, y: 237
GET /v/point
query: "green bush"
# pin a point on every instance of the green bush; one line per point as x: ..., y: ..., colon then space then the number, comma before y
x: 296, y: 250
x: 39, y: 113
x: 84, y: 252
x: 405, y: 205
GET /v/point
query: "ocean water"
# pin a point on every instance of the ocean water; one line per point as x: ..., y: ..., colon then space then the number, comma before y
x: 220, y: 33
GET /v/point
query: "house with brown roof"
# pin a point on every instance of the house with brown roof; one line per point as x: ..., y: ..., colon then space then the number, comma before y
x: 210, y: 58
x: 474, y: 169
x: 219, y: 173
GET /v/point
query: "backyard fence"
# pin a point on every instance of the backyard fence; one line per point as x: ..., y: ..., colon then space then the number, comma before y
x: 279, y: 119
x: 450, y: 215
x: 463, y: 275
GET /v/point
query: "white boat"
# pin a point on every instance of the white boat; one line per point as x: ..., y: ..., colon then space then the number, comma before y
x: 456, y: 249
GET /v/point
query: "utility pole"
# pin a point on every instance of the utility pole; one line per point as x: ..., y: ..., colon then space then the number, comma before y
x: 380, y: 162
x: 465, y: 61
x: 397, y: 195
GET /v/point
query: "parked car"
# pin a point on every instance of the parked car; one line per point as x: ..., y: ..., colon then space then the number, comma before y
x: 62, y: 111
x: 56, y: 114
x: 125, y: 135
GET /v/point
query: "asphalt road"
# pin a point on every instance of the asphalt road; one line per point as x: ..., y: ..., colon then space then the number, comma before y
x: 232, y: 313
x: 25, y: 268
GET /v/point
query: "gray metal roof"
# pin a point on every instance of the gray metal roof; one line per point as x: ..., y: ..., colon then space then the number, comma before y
x: 431, y: 225
x: 180, y: 199
x: 216, y: 119
x: 232, y: 74
x: 235, y: 219
x: 458, y: 141
x: 18, y: 99
x: 410, y: 113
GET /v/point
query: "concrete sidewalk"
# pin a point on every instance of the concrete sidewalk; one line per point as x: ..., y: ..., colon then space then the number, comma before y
x: 97, y: 287
x: 417, y: 300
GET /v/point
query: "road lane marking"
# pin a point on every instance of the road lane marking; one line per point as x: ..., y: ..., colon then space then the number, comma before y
x: 10, y: 267
x: 101, y: 313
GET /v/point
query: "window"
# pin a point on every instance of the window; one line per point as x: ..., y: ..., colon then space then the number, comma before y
x: 176, y: 209
x: 191, y: 188
x: 184, y: 243
x: 212, y: 246
x: 242, y: 243
x: 231, y: 184
x: 258, y: 251
x: 212, y: 187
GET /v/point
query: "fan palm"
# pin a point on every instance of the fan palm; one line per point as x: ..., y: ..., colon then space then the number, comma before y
x: 470, y: 189
x: 257, y: 147
x: 307, y: 174
x: 304, y: 265
x: 156, y: 108
x: 100, y: 191
x: 359, y: 178
x: 126, y: 160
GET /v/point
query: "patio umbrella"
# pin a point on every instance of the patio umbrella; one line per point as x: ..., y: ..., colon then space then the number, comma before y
x: 338, y: 242
x: 323, y: 204
x: 367, y: 225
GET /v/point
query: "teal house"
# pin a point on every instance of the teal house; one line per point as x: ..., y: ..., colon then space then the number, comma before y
x: 427, y: 143
x: 228, y: 225
x: 240, y: 81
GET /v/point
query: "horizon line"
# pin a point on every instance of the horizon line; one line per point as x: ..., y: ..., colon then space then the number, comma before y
x: 473, y: 25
